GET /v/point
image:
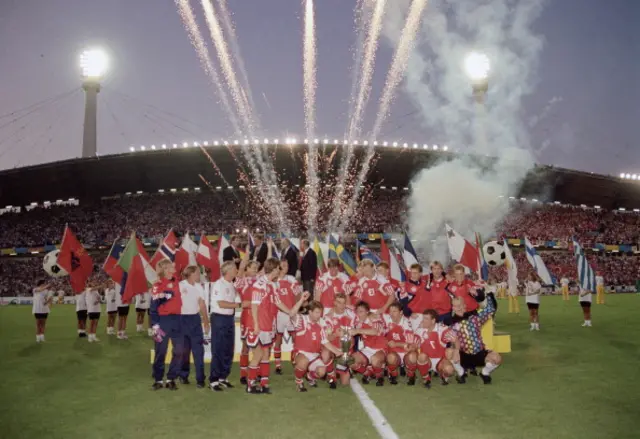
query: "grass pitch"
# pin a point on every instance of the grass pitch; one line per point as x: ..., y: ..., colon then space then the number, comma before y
x: 562, y: 382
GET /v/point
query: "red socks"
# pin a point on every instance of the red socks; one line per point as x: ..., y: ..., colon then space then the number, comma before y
x: 244, y: 363
x: 299, y: 373
x: 411, y: 370
x: 424, y: 370
x: 277, y: 354
x: 393, y: 370
x: 264, y: 373
x: 378, y: 372
x: 253, y: 375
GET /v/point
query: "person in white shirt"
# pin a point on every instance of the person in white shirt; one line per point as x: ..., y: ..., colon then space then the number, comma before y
x: 42, y: 298
x: 92, y: 297
x: 142, y: 308
x: 532, y: 292
x: 564, y: 282
x: 81, y: 313
x: 192, y: 319
x: 123, y: 313
x: 112, y: 305
x: 224, y: 302
x: 585, y: 303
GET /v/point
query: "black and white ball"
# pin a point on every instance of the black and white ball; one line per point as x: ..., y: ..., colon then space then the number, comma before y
x: 50, y: 265
x: 494, y: 253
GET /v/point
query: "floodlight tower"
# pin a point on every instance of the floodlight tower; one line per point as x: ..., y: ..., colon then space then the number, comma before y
x: 94, y: 64
x: 477, y: 67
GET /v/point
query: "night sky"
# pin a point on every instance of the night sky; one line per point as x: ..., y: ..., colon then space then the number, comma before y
x: 156, y: 92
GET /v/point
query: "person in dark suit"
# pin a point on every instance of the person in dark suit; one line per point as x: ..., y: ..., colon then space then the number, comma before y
x: 260, y: 253
x: 230, y: 253
x: 308, y: 267
x: 290, y: 254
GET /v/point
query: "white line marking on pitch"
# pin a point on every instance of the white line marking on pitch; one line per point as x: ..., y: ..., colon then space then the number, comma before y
x: 377, y: 418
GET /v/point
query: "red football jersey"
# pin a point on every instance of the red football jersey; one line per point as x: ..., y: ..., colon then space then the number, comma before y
x: 373, y: 341
x: 440, y: 298
x: 433, y: 343
x: 462, y: 291
x: 422, y: 299
x: 243, y: 287
x: 374, y: 291
x: 351, y: 285
x: 263, y: 295
x: 334, y: 321
x: 173, y: 305
x: 329, y: 286
x: 288, y: 289
x: 310, y: 336
x: 397, y: 331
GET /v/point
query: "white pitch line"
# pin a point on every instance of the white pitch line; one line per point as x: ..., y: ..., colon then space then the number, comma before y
x: 377, y: 418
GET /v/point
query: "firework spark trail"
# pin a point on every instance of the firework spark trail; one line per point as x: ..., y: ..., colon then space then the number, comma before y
x: 365, y: 75
x: 195, y: 36
x: 310, y: 84
x: 359, y: 20
x: 227, y: 22
x: 215, y: 165
x: 394, y: 77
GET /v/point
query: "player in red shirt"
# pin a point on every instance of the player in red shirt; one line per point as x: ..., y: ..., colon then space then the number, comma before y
x: 243, y: 283
x: 164, y: 311
x: 262, y: 325
x: 435, y: 355
x: 309, y: 343
x: 465, y: 289
x: 383, y: 270
x: 418, y: 298
x: 371, y: 328
x: 337, y: 322
x: 330, y: 284
x: 440, y: 297
x: 289, y: 291
x: 402, y: 348
x: 352, y: 284
x: 374, y: 289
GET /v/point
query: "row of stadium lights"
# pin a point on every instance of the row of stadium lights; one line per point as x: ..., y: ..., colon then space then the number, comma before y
x: 45, y: 204
x: 242, y: 188
x: 629, y: 176
x: 558, y: 203
x: 289, y: 141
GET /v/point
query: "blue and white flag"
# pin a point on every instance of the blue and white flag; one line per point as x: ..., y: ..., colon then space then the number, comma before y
x: 537, y: 263
x: 586, y: 275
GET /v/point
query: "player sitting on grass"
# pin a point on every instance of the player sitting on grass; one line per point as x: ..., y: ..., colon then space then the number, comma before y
x: 371, y: 328
x: 309, y: 342
x: 468, y: 329
x: 437, y: 347
x: 401, y: 351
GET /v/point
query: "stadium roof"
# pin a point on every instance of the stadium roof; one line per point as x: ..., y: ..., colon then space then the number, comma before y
x: 151, y: 170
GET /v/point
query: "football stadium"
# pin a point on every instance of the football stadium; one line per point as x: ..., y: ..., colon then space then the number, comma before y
x: 359, y: 285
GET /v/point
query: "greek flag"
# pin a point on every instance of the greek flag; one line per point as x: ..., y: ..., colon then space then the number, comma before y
x: 586, y: 275
x: 537, y: 263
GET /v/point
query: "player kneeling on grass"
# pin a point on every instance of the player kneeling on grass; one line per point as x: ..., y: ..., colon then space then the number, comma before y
x: 337, y: 323
x: 402, y: 349
x: 468, y: 330
x: 264, y: 306
x: 438, y: 346
x: 371, y: 328
x: 309, y: 342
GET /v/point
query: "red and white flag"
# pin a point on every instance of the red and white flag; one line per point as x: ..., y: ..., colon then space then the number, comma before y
x: 462, y: 250
x: 166, y: 249
x: 207, y: 255
x: 186, y: 254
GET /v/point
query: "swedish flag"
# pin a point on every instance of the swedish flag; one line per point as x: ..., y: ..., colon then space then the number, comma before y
x: 336, y: 250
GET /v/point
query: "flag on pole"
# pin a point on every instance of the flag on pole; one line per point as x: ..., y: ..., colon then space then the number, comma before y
x: 110, y: 265
x: 366, y: 253
x: 512, y: 268
x: 75, y: 260
x: 252, y: 244
x: 337, y: 249
x: 138, y: 275
x: 395, y: 267
x: 409, y: 254
x: 462, y: 250
x: 333, y: 243
x: 166, y: 249
x: 586, y: 275
x: 322, y: 268
x: 186, y: 254
x: 207, y: 255
x: 483, y: 267
x: 537, y: 263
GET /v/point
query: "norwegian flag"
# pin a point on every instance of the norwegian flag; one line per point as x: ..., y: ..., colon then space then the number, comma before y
x: 166, y: 249
x: 462, y: 250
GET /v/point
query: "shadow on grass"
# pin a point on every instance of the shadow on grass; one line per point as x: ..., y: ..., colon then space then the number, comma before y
x: 30, y: 350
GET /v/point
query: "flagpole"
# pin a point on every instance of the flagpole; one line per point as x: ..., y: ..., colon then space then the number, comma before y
x: 109, y: 254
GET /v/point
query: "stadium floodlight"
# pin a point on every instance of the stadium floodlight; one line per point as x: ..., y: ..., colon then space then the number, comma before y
x: 355, y: 142
x: 375, y: 143
x: 94, y: 63
x: 634, y: 177
x: 306, y: 141
x: 477, y: 66
x: 143, y: 148
x: 622, y: 209
x: 132, y: 149
x: 435, y: 147
x: 276, y: 141
x: 185, y: 189
x: 395, y: 144
x: 205, y: 143
x: 218, y: 188
x: 316, y: 141
x: 294, y: 141
x: 153, y: 146
x: 325, y: 141
x: 365, y: 143
x: 628, y: 176
x: 185, y: 144
x: 161, y: 191
x: 197, y: 189
x: 335, y: 141
x: 405, y: 145
x: 425, y: 146
x: 596, y: 207
x: 225, y: 143
x: 622, y: 175
x: 266, y: 141
x: 173, y: 190
x: 415, y: 146
x: 164, y: 146
x: 196, y: 144
x: 175, y: 145
x: 385, y: 143
x: 445, y: 148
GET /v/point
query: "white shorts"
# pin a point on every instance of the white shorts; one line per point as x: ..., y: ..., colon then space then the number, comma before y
x: 283, y: 322
x: 263, y: 338
x: 370, y: 352
x: 434, y: 363
x: 315, y: 361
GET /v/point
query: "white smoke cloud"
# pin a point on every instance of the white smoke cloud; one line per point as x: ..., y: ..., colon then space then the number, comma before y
x: 465, y: 191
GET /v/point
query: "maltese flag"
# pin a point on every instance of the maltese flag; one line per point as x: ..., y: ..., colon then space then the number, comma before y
x: 462, y: 250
